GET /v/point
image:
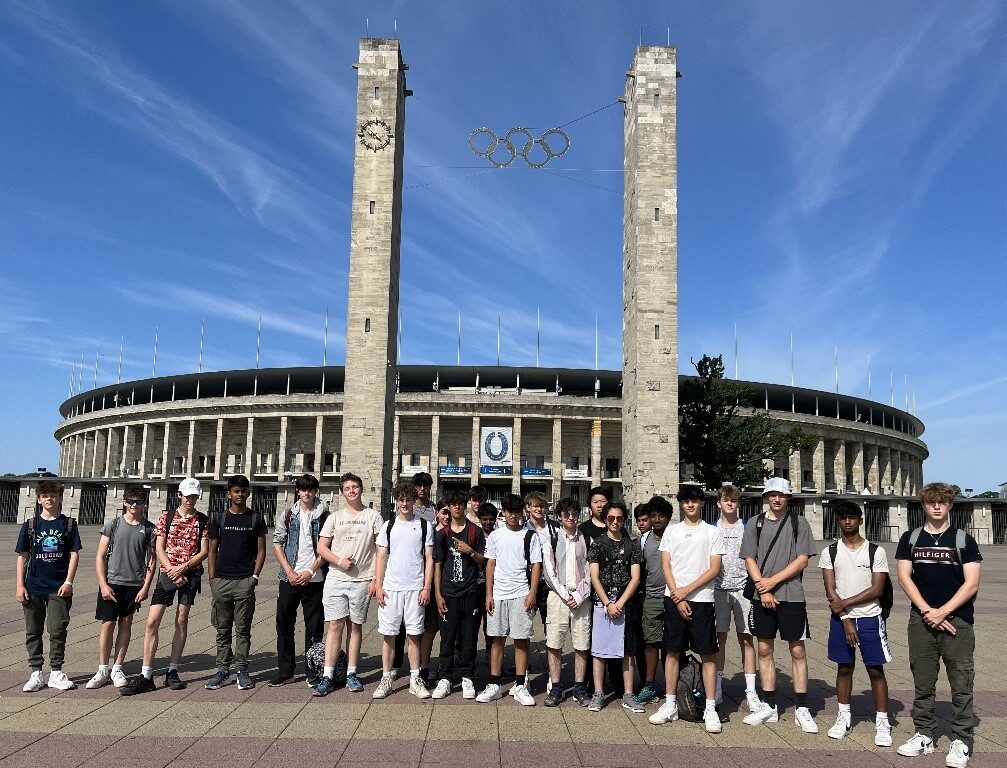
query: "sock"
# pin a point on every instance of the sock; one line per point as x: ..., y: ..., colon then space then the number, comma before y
x: 711, y: 705
x: 173, y: 667
x: 844, y: 709
x: 351, y: 671
x: 147, y: 672
x: 494, y: 679
x: 384, y: 675
x: 557, y: 687
x: 103, y: 668
x: 800, y: 699
x: 116, y: 667
x: 769, y: 697
x: 414, y: 673
x: 881, y: 717
x: 749, y: 682
x: 671, y: 701
x: 328, y: 672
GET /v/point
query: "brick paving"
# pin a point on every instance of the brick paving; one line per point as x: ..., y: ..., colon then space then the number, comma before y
x: 281, y: 727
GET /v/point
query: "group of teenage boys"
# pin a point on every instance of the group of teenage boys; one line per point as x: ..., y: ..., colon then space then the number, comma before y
x: 622, y: 603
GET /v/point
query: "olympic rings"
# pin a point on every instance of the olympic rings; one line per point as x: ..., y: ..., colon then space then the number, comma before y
x: 501, y: 152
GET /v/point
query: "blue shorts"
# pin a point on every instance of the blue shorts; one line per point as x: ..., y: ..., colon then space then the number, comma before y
x: 873, y: 638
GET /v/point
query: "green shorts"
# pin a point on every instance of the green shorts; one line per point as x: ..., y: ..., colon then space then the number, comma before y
x: 653, y: 620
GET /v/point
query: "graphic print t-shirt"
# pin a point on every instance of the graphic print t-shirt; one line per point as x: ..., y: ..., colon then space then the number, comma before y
x: 182, y: 540
x: 48, y: 567
x: 239, y: 545
x: 353, y: 534
x: 935, y: 571
x: 459, y: 573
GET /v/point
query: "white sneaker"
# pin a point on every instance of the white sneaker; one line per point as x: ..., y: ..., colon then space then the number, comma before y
x: 442, y: 689
x: 882, y: 733
x: 100, y: 680
x: 841, y: 728
x: 118, y: 678
x: 712, y: 721
x: 35, y: 682
x: 803, y: 717
x: 59, y: 681
x: 394, y: 674
x: 491, y: 692
x: 665, y: 714
x: 384, y: 687
x: 418, y: 688
x: 468, y: 688
x: 522, y: 695
x: 752, y: 701
x: 764, y: 714
x: 958, y: 755
x: 917, y: 745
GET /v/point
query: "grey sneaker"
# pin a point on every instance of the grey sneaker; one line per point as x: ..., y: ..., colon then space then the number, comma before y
x: 629, y: 702
x: 597, y: 701
x: 218, y: 680
x: 245, y: 681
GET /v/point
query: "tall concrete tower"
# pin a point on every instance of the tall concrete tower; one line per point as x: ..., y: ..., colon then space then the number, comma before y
x: 373, y: 301
x: 650, y: 278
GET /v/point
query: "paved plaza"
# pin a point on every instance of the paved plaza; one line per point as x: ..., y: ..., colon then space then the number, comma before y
x: 285, y: 727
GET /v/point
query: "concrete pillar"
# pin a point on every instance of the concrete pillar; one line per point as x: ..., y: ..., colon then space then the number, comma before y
x: 281, y: 459
x: 814, y: 513
x: 142, y: 474
x: 794, y: 470
x: 64, y: 451
x: 873, y: 482
x: 475, y: 450
x: 435, y: 454
x: 113, y: 452
x: 839, y: 465
x: 125, y: 462
x: 898, y: 515
x: 396, y: 456
x: 249, y: 446
x: 93, y: 471
x: 218, y: 451
x: 818, y: 465
x: 319, y: 456
x: 897, y: 472
x: 596, y: 453
x: 75, y: 472
x: 515, y: 484
x: 858, y: 467
x: 557, y: 458
x: 885, y: 462
x: 190, y: 449
x: 166, y: 450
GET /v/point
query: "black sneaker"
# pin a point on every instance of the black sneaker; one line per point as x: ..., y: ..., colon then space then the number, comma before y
x: 581, y: 695
x: 324, y: 687
x: 279, y: 679
x: 137, y: 685
x: 555, y: 696
x: 173, y: 681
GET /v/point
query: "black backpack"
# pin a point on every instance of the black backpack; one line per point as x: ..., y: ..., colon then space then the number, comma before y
x: 423, y: 535
x: 887, y: 599
x: 691, y: 695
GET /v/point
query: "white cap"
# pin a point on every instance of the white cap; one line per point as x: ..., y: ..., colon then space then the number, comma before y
x: 778, y: 484
x: 190, y: 487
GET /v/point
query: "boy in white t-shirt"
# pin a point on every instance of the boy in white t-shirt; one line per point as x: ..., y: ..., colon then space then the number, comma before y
x: 402, y: 581
x: 347, y: 545
x: 692, y: 551
x: 513, y: 565
x: 856, y: 573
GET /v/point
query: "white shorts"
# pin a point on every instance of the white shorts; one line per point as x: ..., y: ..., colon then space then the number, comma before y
x: 342, y: 598
x: 728, y: 604
x: 401, y: 608
x: 510, y: 619
x: 560, y: 621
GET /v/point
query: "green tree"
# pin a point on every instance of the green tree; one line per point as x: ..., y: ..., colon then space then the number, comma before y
x: 987, y: 495
x: 723, y: 435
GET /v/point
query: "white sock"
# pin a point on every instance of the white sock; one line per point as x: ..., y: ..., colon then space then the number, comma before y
x: 172, y: 667
x: 147, y: 672
x: 349, y: 671
x: 881, y: 717
x: 844, y: 709
x: 671, y: 701
x: 749, y: 682
x: 103, y: 668
x: 711, y: 705
x: 328, y: 672
x: 117, y: 667
x: 414, y: 673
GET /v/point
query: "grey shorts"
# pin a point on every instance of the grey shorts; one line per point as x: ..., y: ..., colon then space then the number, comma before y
x: 510, y: 619
x: 731, y: 604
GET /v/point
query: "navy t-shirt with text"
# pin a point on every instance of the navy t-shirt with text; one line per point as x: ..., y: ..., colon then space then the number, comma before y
x: 50, y: 563
x: 239, y: 544
x: 935, y: 567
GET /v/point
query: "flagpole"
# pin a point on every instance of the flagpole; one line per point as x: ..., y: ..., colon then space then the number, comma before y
x: 153, y: 370
x: 202, y: 333
x: 791, y: 360
x: 325, y: 339
x: 498, y: 338
x: 97, y: 352
x: 596, y: 341
x: 868, y: 375
x: 258, y: 341
x: 538, y: 335
x: 118, y: 371
x: 459, y: 346
x: 735, y: 351
x: 835, y: 355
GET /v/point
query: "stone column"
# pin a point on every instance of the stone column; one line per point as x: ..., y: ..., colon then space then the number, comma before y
x: 871, y: 459
x: 396, y: 455
x: 557, y: 458
x: 281, y: 459
x: 885, y: 460
x: 94, y: 453
x: 165, y: 451
x: 794, y: 470
x: 839, y: 465
x: 113, y: 452
x: 814, y: 513
x: 515, y: 483
x: 190, y: 447
x: 319, y: 455
x: 142, y: 474
x: 475, y: 450
x: 898, y: 515
x: 218, y: 451
x: 249, y: 470
x: 126, y: 458
x: 858, y: 467
x: 435, y: 453
x: 76, y: 454
x: 818, y: 465
x: 897, y: 472
x: 596, y: 452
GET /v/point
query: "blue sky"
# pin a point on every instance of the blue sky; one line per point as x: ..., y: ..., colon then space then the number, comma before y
x: 838, y: 181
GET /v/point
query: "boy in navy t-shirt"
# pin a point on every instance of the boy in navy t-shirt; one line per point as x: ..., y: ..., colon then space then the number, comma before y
x: 47, y: 548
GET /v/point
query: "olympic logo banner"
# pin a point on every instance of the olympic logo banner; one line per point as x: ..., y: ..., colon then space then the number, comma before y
x: 495, y: 446
x: 501, y: 151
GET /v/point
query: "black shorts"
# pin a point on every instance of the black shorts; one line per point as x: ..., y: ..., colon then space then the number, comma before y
x: 165, y: 591
x: 789, y: 620
x: 124, y: 604
x: 699, y: 634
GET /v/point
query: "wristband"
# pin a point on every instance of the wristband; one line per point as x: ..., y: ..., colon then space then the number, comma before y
x: 68, y: 583
x: 255, y: 576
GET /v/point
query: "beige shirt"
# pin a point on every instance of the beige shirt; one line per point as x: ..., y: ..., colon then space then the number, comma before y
x: 353, y: 535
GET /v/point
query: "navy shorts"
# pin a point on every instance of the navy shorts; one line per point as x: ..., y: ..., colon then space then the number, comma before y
x: 873, y: 638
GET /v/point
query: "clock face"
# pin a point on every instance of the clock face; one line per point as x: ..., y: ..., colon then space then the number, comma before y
x: 375, y: 135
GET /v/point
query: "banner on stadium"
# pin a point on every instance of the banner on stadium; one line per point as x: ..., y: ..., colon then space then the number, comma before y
x: 495, y: 446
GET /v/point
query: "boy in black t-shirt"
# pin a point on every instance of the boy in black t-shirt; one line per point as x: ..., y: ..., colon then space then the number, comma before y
x: 939, y: 568
x: 237, y: 553
x: 47, y: 548
x: 458, y: 557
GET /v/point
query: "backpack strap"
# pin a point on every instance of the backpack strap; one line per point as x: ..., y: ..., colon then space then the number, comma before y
x: 527, y: 553
x: 553, y: 535
x: 834, y: 552
x: 388, y: 534
x: 872, y: 550
x: 69, y: 529
x: 643, y: 539
x: 914, y: 537
x: 111, y: 536
x: 286, y: 518
x: 471, y: 534
x: 423, y: 538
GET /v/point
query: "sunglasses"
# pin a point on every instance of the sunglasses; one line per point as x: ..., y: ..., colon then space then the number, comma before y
x: 133, y: 502
x: 614, y: 519
x: 571, y: 514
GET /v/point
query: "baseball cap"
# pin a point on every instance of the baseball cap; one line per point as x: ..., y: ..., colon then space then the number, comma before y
x: 190, y: 487
x: 778, y: 484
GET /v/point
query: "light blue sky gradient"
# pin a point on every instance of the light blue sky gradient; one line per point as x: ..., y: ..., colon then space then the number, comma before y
x: 840, y: 179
